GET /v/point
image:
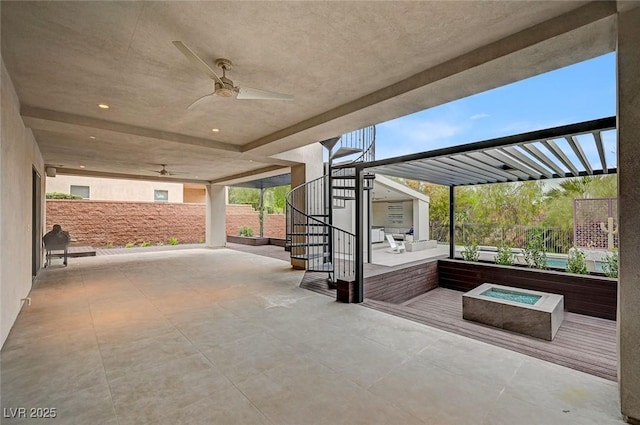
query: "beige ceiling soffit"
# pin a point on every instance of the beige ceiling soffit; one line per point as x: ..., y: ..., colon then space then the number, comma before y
x: 89, y: 173
x: 584, y: 15
x: 249, y: 174
x: 79, y: 120
x: 625, y: 6
x: 269, y: 160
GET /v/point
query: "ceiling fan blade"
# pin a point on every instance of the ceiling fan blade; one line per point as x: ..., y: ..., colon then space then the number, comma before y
x: 195, y: 59
x: 153, y: 171
x: 255, y: 94
x: 198, y: 100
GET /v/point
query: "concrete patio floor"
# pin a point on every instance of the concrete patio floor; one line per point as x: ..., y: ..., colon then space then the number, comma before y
x: 219, y: 336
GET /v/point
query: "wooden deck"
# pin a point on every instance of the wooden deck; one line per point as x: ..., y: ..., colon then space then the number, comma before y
x: 317, y: 282
x: 583, y: 343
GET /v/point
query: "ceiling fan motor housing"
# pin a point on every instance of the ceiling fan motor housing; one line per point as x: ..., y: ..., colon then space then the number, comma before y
x: 226, y: 90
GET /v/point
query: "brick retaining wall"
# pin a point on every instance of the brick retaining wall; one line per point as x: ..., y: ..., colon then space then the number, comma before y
x: 99, y: 223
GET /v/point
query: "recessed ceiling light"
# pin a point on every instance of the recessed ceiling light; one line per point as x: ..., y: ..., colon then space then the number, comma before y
x: 92, y: 137
x: 82, y: 166
x: 103, y: 106
x: 215, y: 130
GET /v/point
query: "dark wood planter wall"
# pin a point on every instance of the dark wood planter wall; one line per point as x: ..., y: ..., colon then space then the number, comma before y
x: 394, y: 286
x: 583, y: 294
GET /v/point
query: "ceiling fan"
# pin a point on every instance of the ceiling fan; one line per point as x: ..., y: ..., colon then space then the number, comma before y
x: 223, y: 86
x: 164, y: 171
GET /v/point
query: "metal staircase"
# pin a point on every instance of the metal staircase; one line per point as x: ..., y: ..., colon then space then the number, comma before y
x: 311, y: 234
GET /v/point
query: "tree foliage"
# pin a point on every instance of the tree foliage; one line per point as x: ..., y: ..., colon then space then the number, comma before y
x: 61, y: 195
x: 558, y: 202
x: 274, y: 198
x: 506, y: 204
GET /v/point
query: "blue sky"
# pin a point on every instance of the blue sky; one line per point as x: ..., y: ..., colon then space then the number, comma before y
x: 579, y: 92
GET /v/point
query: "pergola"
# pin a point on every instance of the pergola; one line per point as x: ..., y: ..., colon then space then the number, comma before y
x: 558, y: 152
x: 262, y: 184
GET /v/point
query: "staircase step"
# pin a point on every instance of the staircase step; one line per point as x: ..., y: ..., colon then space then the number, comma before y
x: 344, y: 187
x: 308, y: 257
x: 295, y: 245
x: 346, y: 198
x: 307, y: 234
x: 324, y: 267
x: 318, y: 215
x: 345, y: 151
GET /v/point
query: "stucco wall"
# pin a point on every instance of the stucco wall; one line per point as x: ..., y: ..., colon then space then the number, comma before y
x: 194, y: 196
x: 19, y: 154
x: 102, y: 189
x: 99, y: 223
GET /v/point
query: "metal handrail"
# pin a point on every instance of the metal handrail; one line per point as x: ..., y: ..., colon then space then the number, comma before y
x: 310, y: 235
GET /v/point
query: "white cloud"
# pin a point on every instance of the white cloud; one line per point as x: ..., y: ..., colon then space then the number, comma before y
x: 479, y: 116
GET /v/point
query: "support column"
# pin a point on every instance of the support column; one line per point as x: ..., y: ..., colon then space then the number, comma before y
x: 420, y: 220
x: 216, y: 231
x: 298, y: 177
x: 452, y: 221
x: 628, y: 81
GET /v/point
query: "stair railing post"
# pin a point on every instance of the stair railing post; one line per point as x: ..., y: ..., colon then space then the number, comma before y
x: 329, y: 208
x: 452, y: 221
x: 358, y: 287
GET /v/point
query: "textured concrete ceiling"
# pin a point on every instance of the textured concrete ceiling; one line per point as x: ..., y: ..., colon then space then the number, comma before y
x: 348, y: 64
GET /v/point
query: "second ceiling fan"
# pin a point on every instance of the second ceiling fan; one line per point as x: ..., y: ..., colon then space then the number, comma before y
x: 223, y: 86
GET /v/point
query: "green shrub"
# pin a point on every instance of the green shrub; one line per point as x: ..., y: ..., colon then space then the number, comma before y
x: 130, y: 245
x: 470, y: 252
x: 505, y: 256
x: 576, y: 262
x: 110, y: 245
x: 145, y: 244
x: 60, y: 195
x: 610, y: 264
x: 246, y: 231
x: 534, y: 253
x: 172, y: 241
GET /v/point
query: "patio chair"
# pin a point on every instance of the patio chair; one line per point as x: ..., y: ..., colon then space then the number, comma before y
x: 396, y: 247
x: 50, y: 248
x: 56, y: 240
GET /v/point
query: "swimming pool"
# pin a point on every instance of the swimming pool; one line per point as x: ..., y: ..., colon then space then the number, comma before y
x: 561, y: 263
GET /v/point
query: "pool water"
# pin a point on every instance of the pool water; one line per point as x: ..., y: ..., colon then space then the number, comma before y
x: 519, y: 297
x: 561, y: 263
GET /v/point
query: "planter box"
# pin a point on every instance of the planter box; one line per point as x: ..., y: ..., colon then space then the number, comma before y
x: 420, y: 245
x: 248, y: 240
x: 583, y: 294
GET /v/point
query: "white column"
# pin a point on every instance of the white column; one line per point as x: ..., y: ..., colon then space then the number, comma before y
x: 216, y: 216
x: 628, y: 81
x: 420, y: 220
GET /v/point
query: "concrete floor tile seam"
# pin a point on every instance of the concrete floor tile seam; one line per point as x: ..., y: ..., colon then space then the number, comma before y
x: 264, y: 415
x: 104, y: 370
